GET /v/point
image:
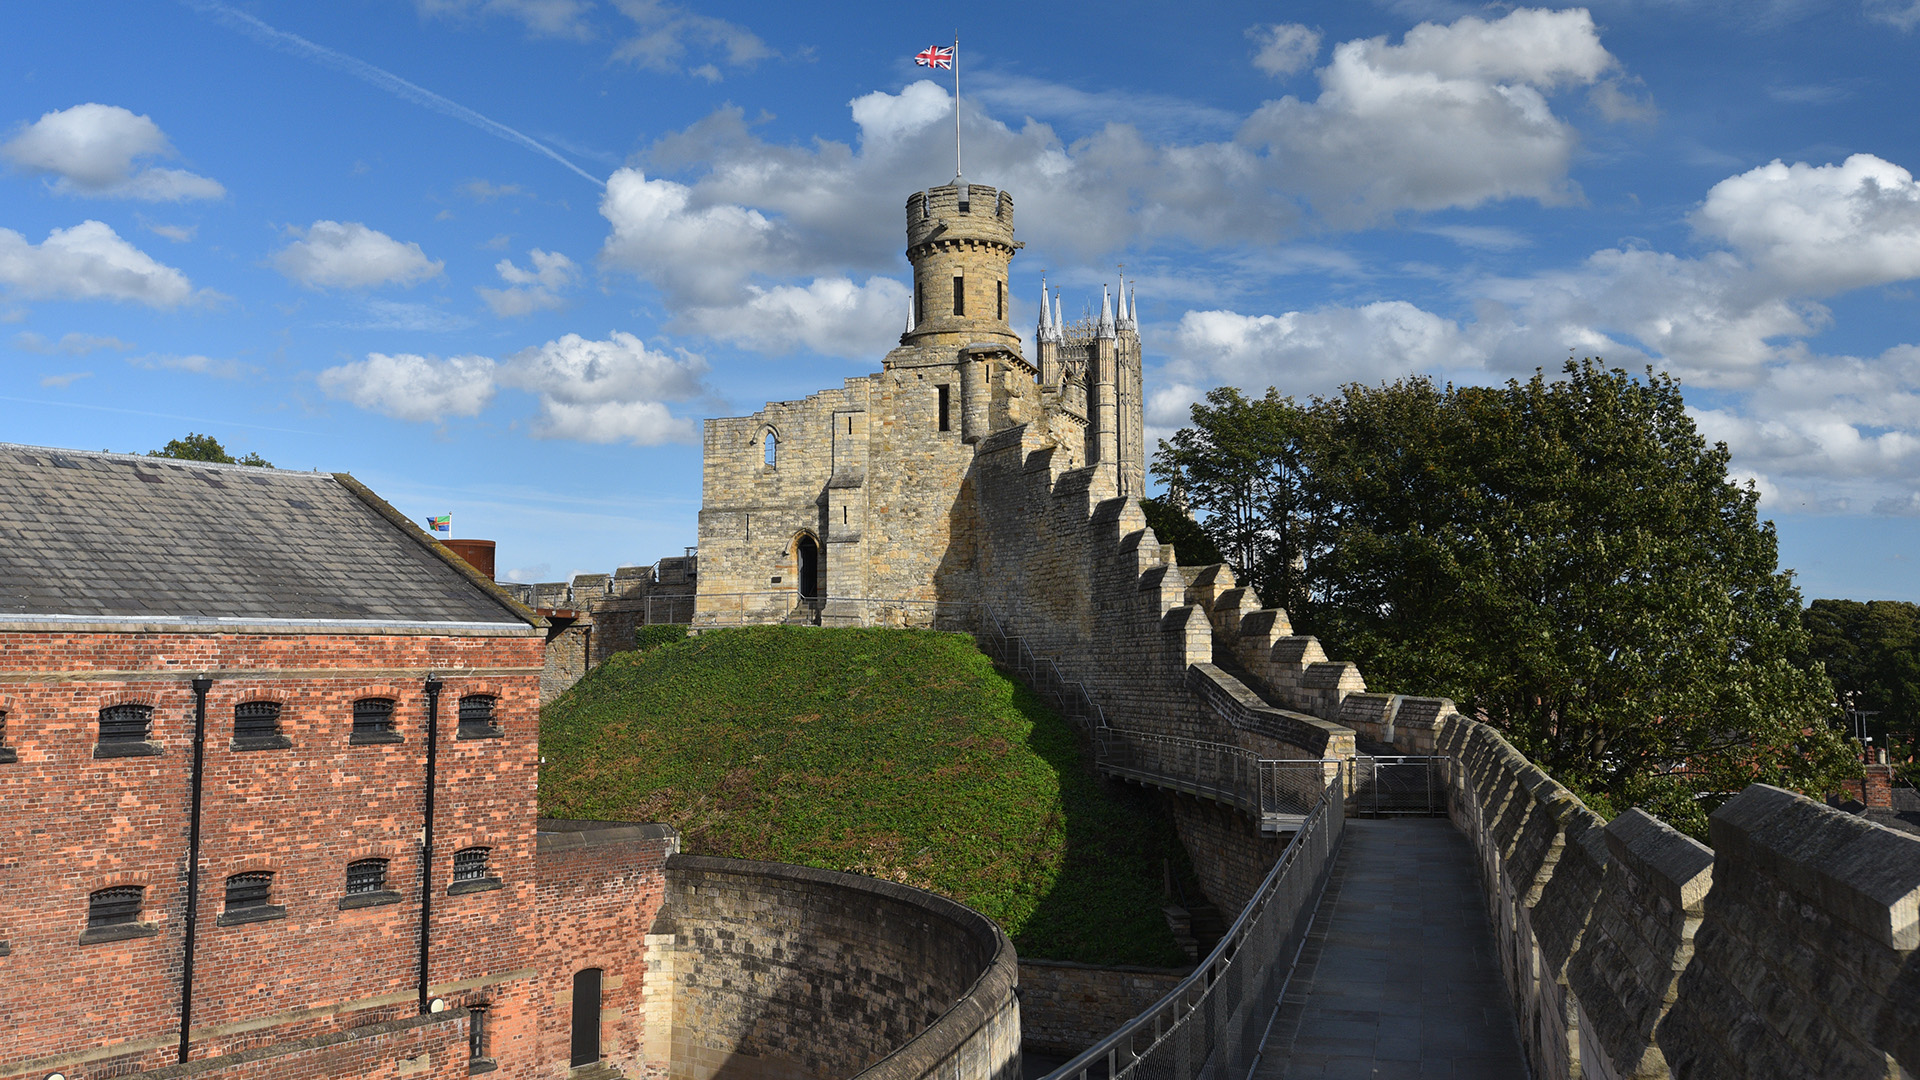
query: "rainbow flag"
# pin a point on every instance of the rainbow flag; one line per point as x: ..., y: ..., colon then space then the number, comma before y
x: 441, y: 524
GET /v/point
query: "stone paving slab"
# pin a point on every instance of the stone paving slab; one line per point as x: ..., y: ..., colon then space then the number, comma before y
x: 1400, y: 977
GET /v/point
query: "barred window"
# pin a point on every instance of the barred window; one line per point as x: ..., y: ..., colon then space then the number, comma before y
x: 476, y: 715
x: 3, y: 727
x: 117, y: 906
x: 477, y: 1033
x: 470, y: 864
x: 373, y: 722
x: 7, y: 753
x: 255, y: 719
x: 249, y: 890
x: 126, y: 723
x: 366, y: 876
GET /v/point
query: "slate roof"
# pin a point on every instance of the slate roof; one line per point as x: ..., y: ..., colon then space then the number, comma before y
x: 117, y: 537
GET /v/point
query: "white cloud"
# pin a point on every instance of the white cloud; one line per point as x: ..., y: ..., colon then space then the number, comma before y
x: 73, y: 343
x: 616, y: 390
x: 607, y: 391
x: 1308, y: 352
x: 86, y: 262
x: 195, y: 363
x: 1820, y: 229
x: 408, y: 386
x: 1285, y: 48
x: 832, y: 316
x: 485, y: 191
x: 542, y: 18
x: 532, y: 290
x: 668, y: 34
x: 91, y: 149
x: 1454, y: 116
x: 349, y: 255
x: 65, y: 379
x: 179, y: 234
x: 1901, y: 14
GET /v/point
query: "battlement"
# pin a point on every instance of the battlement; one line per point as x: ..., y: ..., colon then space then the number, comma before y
x: 939, y: 214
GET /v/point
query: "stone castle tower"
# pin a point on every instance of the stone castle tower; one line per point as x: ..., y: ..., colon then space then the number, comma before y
x: 857, y: 503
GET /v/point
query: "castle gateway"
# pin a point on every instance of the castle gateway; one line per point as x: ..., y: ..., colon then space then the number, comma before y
x: 859, y: 505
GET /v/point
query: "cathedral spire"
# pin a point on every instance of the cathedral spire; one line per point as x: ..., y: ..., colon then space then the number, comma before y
x: 1045, y: 332
x: 1105, y: 328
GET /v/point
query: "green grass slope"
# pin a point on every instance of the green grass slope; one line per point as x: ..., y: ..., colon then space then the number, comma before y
x: 899, y: 754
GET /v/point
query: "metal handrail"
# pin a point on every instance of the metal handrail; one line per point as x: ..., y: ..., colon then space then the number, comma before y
x: 1211, y: 1024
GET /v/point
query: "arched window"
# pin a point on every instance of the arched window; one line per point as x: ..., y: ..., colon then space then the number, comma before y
x: 471, y: 872
x: 250, y: 899
x: 114, y: 915
x: 126, y: 731
x: 254, y: 719
x: 366, y: 876
x: 770, y: 446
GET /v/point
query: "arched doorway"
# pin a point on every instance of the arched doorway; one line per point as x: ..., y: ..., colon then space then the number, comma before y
x: 807, y: 555
x: 586, y: 1016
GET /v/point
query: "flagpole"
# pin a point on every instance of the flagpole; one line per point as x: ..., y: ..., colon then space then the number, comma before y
x: 956, y: 103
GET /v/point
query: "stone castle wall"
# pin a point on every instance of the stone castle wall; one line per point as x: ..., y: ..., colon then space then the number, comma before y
x: 787, y: 972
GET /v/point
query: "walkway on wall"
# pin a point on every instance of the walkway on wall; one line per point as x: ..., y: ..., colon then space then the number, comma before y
x: 1400, y: 976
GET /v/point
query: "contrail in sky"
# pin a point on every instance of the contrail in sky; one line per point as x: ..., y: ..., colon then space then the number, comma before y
x: 380, y: 77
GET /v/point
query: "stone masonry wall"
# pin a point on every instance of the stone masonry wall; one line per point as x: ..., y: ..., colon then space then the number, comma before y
x: 785, y: 971
x: 1067, y: 1007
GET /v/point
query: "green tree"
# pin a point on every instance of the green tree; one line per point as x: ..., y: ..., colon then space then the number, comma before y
x: 1239, y: 466
x: 1172, y: 525
x: 1872, y: 653
x: 1568, y: 561
x: 198, y: 447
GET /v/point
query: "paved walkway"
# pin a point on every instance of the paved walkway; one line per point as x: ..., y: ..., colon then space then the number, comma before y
x: 1400, y: 977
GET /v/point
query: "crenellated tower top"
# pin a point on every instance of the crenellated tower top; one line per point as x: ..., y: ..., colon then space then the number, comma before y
x: 960, y: 241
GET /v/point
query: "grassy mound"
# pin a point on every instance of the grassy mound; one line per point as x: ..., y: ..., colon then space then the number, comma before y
x: 899, y: 754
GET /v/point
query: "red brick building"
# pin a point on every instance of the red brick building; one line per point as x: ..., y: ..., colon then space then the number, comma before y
x: 257, y: 731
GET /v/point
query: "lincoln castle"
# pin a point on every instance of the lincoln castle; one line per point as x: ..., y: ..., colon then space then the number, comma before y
x: 269, y: 793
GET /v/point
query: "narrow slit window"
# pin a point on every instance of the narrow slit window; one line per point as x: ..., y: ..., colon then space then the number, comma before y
x: 251, y: 890
x: 477, y: 1040
x: 115, y: 907
x: 366, y: 876
x: 945, y: 417
x: 126, y: 723
x: 959, y: 295
x: 256, y: 719
x: 7, y: 753
x: 919, y: 303
x: 770, y: 447
x: 1000, y: 301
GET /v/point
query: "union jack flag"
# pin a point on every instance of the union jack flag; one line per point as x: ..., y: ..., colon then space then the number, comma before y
x: 935, y: 57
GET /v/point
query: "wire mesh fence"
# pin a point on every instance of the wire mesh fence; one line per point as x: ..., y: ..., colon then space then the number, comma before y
x: 1211, y: 1026
x: 1398, y: 786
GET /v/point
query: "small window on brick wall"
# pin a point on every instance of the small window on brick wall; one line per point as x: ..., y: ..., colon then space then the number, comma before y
x: 114, y: 915
x: 126, y: 731
x: 7, y: 753
x: 373, y: 722
x: 479, y: 1039
x: 476, y: 718
x: 367, y: 885
x: 250, y: 899
x: 470, y: 871
x: 256, y: 726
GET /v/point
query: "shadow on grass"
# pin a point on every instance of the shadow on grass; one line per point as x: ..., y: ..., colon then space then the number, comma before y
x: 1106, y: 905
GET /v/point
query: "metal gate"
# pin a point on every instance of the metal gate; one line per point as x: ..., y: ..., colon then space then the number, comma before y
x: 1404, y: 786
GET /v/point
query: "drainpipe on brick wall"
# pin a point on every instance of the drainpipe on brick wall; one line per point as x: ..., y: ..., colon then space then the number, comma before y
x: 200, y: 688
x: 426, y: 833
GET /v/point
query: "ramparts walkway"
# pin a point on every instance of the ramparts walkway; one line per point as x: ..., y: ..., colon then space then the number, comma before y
x: 1400, y: 976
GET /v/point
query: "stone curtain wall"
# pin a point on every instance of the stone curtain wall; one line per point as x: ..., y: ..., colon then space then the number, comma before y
x: 1787, y: 950
x: 75, y: 823
x: 787, y: 972
x: 601, y: 885
x: 1067, y: 1007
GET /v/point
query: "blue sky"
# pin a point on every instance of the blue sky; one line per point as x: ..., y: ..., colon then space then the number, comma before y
x: 500, y: 257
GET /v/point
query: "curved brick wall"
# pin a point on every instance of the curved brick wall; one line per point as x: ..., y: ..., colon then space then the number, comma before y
x: 784, y: 972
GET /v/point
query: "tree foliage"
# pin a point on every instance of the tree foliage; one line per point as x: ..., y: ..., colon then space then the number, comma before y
x: 1872, y: 653
x: 198, y: 447
x: 1565, y: 559
x: 1172, y: 525
x: 1239, y: 464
